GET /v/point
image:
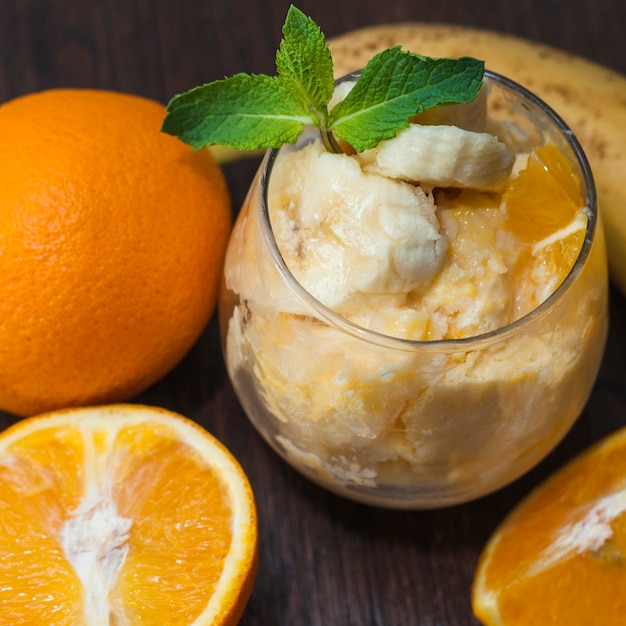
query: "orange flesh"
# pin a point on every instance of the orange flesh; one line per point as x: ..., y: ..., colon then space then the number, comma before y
x: 544, y: 198
x: 180, y: 534
x: 584, y: 584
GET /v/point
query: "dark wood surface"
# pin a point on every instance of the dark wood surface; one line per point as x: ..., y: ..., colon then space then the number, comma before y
x: 323, y: 561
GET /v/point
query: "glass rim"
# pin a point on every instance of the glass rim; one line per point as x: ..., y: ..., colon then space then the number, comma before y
x: 335, y: 319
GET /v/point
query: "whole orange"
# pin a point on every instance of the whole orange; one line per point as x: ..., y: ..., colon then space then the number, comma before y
x: 112, y: 237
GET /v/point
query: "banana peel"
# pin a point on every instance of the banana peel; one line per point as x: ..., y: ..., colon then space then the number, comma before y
x: 225, y: 154
x: 589, y: 97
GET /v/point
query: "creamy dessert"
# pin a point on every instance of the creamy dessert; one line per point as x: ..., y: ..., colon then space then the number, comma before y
x: 403, y: 325
x: 414, y: 304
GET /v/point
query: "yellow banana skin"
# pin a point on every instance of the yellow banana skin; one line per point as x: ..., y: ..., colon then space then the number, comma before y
x: 224, y: 154
x: 589, y: 97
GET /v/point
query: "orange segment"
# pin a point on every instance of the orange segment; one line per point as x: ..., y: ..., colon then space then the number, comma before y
x: 558, y: 253
x: 544, y: 209
x: 560, y: 557
x: 122, y: 511
x: 544, y: 197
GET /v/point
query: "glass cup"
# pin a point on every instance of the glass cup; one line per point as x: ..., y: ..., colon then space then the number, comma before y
x: 412, y: 424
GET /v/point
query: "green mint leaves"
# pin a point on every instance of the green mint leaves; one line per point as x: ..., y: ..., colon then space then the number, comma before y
x: 252, y: 112
x: 395, y: 86
x: 245, y: 112
x: 304, y: 63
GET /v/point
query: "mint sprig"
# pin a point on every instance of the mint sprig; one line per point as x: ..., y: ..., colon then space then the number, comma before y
x: 394, y: 87
x: 252, y: 112
x: 304, y: 63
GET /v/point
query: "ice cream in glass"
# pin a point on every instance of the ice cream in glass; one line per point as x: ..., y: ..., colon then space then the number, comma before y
x: 419, y: 324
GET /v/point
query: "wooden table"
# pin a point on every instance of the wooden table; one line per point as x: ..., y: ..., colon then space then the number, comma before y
x: 324, y: 561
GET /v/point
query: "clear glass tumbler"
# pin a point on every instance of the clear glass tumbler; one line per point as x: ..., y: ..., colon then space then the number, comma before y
x: 412, y: 424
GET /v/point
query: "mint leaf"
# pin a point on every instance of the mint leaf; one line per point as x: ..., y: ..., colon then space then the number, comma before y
x: 256, y: 112
x: 244, y: 112
x: 304, y: 61
x: 393, y: 87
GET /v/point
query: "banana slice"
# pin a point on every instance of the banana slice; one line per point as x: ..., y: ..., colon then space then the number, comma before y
x: 346, y: 234
x: 441, y: 156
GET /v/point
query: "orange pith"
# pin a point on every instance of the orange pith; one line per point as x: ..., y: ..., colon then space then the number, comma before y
x: 122, y: 511
x: 560, y: 557
x: 112, y: 239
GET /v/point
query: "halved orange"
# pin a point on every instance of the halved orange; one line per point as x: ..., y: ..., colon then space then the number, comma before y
x: 560, y: 556
x: 122, y: 515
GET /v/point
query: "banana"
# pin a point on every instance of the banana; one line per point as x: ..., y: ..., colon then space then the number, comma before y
x: 444, y: 147
x: 348, y: 235
x: 441, y: 156
x: 225, y: 154
x: 589, y: 97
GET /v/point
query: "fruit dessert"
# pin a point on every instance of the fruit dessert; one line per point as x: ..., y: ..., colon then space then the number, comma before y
x: 415, y: 318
